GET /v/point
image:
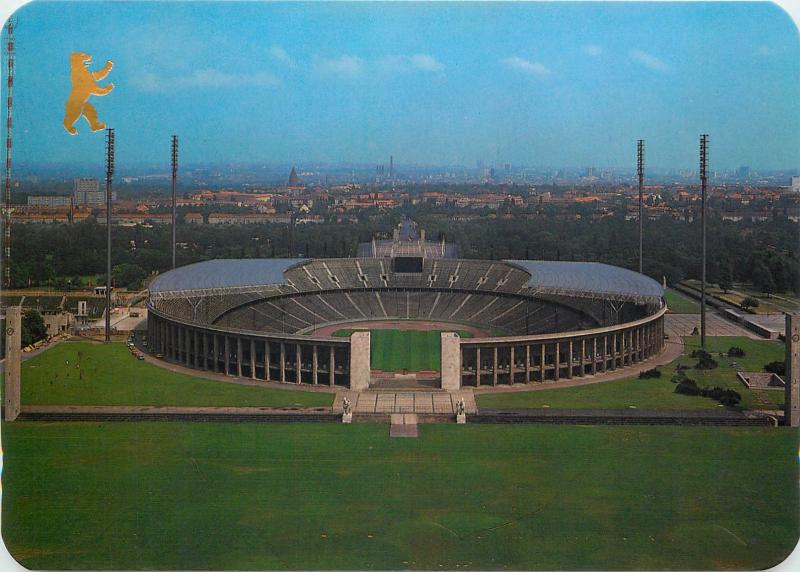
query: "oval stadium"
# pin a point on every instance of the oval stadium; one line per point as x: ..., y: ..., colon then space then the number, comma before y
x: 405, y: 313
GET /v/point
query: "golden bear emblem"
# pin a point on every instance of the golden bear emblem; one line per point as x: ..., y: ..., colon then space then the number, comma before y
x: 84, y: 86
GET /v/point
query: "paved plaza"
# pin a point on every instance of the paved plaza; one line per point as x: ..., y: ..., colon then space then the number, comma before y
x: 406, y: 401
x: 677, y: 325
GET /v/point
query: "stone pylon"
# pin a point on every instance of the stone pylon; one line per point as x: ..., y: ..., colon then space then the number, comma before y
x: 13, y: 335
x: 792, y: 399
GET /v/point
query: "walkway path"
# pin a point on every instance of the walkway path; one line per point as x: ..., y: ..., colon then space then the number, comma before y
x: 405, y: 401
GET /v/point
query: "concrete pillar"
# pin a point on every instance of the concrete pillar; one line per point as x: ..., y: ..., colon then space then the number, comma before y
x: 266, y: 362
x: 227, y: 350
x: 569, y: 360
x: 314, y: 365
x: 332, y: 367
x: 283, y: 362
x: 239, y: 356
x: 451, y: 361
x: 187, y: 335
x: 792, y: 391
x: 252, y: 359
x: 594, y: 355
x: 605, y: 353
x: 359, y: 361
x: 477, y: 367
x: 12, y: 398
x: 557, y: 362
x: 216, y: 353
x: 541, y: 361
x: 527, y: 363
x: 494, y: 367
x: 298, y: 364
x: 613, y: 351
x: 511, y: 365
x: 196, y: 338
x: 583, y: 357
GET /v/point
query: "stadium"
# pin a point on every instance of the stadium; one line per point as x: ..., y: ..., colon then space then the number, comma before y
x: 326, y: 321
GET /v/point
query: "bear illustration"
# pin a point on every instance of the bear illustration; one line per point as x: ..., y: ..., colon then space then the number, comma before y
x: 83, y: 86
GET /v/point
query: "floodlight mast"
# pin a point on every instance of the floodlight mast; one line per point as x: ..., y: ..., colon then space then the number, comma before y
x: 174, y: 194
x: 109, y: 180
x: 7, y: 210
x: 640, y: 172
x: 703, y: 186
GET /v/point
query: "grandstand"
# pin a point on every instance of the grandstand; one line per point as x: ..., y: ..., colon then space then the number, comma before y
x: 543, y: 321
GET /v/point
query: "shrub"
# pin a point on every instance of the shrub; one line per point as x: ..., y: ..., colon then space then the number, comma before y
x: 727, y: 397
x: 704, y: 360
x: 649, y: 374
x: 687, y: 387
x: 776, y: 367
x: 750, y: 302
x: 736, y: 352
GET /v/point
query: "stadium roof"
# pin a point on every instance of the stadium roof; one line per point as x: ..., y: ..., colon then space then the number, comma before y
x: 588, y: 278
x: 225, y: 273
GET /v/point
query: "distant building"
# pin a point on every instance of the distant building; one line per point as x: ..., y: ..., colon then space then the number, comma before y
x: 48, y: 201
x: 796, y: 184
x: 743, y: 172
x: 294, y: 180
x: 87, y: 192
x: 193, y: 218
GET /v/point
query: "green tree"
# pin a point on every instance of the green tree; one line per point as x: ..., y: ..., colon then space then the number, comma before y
x: 33, y: 328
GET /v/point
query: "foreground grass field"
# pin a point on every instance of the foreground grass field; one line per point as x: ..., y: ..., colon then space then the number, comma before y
x: 81, y: 373
x: 247, y: 496
x: 414, y: 350
x: 659, y: 393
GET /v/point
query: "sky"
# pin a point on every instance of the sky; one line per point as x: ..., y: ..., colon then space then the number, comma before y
x: 536, y: 84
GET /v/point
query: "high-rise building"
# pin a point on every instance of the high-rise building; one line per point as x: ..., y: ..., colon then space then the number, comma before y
x: 86, y: 191
x: 796, y: 184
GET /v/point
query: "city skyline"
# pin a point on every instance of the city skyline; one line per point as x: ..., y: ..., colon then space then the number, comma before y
x: 564, y: 84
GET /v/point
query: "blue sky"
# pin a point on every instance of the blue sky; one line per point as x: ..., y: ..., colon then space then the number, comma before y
x: 532, y: 84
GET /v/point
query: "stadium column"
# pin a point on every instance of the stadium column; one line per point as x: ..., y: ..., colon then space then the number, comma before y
x: 298, y: 364
x: 314, y: 365
x: 187, y: 336
x: 283, y: 362
x: 542, y: 357
x: 511, y: 365
x: 605, y: 354
x: 613, y: 351
x: 583, y: 357
x: 494, y: 366
x: 215, y: 363
x: 557, y: 362
x: 594, y: 355
x: 227, y: 357
x: 266, y: 361
x: 477, y: 367
x: 569, y: 360
x: 196, y: 338
x: 238, y: 356
x: 12, y: 398
x: 204, y: 336
x: 451, y: 361
x: 527, y: 363
x: 178, y: 343
x: 252, y: 359
x: 332, y: 367
x: 359, y: 360
x: 792, y: 387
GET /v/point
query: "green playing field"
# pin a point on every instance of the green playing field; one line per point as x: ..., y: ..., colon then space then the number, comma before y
x: 396, y: 350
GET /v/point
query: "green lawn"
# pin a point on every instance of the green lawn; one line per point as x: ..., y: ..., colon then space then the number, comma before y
x: 680, y: 303
x: 331, y: 496
x: 395, y: 350
x: 658, y: 393
x: 110, y: 375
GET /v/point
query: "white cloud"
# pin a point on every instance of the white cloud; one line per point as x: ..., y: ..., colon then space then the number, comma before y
x: 523, y: 65
x: 279, y: 55
x: 416, y: 62
x: 592, y: 50
x: 347, y: 66
x: 425, y: 62
x: 208, y: 78
x: 649, y: 61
